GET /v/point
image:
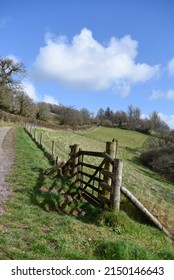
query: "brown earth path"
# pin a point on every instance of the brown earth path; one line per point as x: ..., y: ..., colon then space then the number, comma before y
x: 6, y: 160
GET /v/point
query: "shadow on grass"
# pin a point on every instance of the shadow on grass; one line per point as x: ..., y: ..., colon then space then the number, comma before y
x: 53, y: 193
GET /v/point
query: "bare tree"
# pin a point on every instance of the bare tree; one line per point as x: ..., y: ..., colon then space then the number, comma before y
x: 9, y: 69
x: 23, y: 105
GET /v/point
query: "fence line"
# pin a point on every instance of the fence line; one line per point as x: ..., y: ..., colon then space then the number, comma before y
x: 103, y: 187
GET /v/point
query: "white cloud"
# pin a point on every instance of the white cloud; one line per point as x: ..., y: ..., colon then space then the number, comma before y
x: 30, y: 90
x: 51, y: 100
x: 87, y: 64
x: 171, y: 66
x: 156, y: 94
x: 169, y: 120
x: 170, y: 94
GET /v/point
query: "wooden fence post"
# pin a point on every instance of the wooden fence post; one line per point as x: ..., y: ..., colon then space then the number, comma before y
x: 74, y: 161
x: 111, y: 148
x: 116, y: 184
x: 116, y: 148
x: 52, y: 147
x: 80, y: 168
x: 41, y: 139
x: 35, y: 133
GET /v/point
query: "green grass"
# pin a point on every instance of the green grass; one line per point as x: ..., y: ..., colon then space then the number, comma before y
x: 38, y: 223
x: 154, y: 192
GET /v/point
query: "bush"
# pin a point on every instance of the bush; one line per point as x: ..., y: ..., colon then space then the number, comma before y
x: 160, y: 160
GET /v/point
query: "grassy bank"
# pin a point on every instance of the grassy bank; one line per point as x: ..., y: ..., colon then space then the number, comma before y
x: 155, y: 193
x: 36, y: 226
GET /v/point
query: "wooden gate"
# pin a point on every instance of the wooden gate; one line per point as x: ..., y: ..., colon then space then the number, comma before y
x: 99, y: 184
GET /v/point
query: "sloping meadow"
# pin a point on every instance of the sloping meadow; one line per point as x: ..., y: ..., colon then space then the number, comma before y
x: 154, y: 192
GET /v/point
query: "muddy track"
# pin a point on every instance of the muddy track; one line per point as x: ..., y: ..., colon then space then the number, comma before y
x: 6, y: 161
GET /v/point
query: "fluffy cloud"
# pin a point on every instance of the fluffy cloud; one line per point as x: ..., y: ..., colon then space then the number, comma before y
x: 85, y: 63
x: 51, y: 100
x: 170, y: 94
x: 29, y: 88
x: 156, y: 94
x: 171, y: 66
x: 169, y: 120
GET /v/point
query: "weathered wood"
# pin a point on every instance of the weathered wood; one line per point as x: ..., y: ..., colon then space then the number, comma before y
x: 74, y: 161
x: 111, y: 151
x: 109, y: 158
x: 52, y: 147
x: 116, y: 184
x: 89, y: 186
x: 92, y: 200
x: 80, y: 167
x: 96, y: 171
x: 91, y: 153
x: 35, y: 133
x: 106, y: 187
x: 107, y: 173
x: 88, y: 165
x: 41, y: 139
x: 92, y: 177
x: 146, y: 212
x: 116, y: 141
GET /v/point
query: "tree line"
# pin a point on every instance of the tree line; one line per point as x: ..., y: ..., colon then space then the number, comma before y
x: 158, y: 153
x: 13, y: 99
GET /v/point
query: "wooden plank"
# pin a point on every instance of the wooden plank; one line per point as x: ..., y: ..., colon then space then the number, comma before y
x: 90, y: 176
x: 91, y: 153
x: 109, y: 158
x: 89, y: 165
x: 89, y: 186
x: 106, y: 187
x: 96, y: 171
x: 107, y: 173
x: 92, y: 200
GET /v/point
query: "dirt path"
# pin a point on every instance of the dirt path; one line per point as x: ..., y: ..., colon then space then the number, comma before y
x: 6, y: 160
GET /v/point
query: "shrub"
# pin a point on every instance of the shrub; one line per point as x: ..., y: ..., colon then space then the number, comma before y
x: 160, y: 160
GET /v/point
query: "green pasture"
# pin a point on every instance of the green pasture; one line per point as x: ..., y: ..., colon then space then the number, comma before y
x: 154, y: 192
x: 40, y: 223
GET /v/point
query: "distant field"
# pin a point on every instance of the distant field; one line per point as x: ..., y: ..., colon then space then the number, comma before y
x: 153, y: 191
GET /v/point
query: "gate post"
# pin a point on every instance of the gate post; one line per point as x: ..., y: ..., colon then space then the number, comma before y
x: 80, y: 168
x: 111, y: 149
x: 116, y: 184
x: 74, y: 161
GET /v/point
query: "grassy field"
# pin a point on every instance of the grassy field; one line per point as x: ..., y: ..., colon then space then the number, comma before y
x: 38, y: 225
x: 153, y: 191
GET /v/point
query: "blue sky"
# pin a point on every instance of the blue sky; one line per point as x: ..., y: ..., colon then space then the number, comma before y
x: 94, y: 53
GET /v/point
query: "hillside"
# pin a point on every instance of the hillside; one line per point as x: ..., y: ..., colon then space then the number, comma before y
x: 154, y: 192
x: 34, y: 228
